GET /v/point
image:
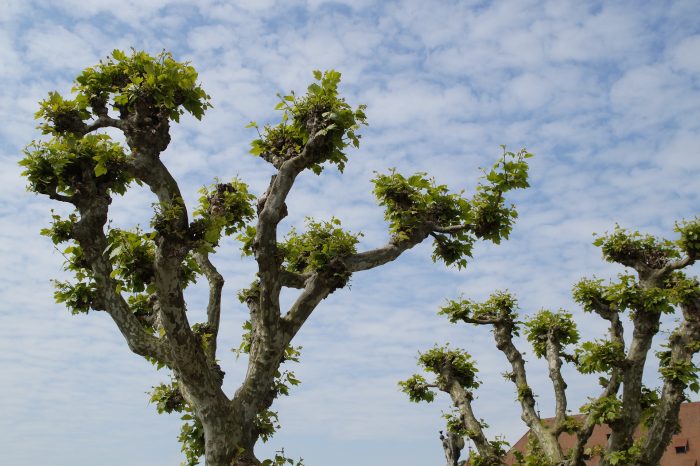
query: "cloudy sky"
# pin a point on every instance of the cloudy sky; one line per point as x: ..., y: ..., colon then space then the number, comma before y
x: 606, y: 94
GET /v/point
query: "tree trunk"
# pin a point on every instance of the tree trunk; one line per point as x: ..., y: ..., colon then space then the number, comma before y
x: 228, y: 441
x: 453, y: 445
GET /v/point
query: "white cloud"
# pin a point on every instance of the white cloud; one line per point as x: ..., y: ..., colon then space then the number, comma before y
x: 54, y: 47
x: 684, y: 55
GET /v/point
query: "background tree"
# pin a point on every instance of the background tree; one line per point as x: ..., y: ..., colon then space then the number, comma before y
x: 138, y: 276
x: 658, y: 287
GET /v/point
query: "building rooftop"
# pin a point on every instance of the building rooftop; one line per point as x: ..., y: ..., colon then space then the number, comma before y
x: 684, y: 449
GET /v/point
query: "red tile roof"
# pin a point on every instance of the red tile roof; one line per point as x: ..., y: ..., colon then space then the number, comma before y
x: 688, y: 439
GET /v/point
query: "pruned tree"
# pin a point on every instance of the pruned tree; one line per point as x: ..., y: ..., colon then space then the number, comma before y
x: 657, y: 287
x: 137, y: 276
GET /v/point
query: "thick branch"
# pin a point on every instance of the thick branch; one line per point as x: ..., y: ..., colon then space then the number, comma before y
x: 462, y: 401
x: 317, y: 288
x: 293, y: 280
x: 553, y: 356
x: 89, y: 234
x: 586, y: 430
x: 216, y: 284
x: 52, y: 192
x: 452, y: 444
x: 676, y: 265
x: 503, y: 333
x: 387, y: 253
x: 137, y: 338
x: 148, y: 135
x: 612, y: 387
x: 646, y: 326
x: 271, y: 210
x: 103, y: 121
x: 450, y: 229
x: 683, y: 346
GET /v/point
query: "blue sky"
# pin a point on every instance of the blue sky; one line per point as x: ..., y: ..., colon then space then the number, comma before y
x: 606, y: 94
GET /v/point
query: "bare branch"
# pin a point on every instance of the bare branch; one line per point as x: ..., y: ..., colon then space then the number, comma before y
x: 216, y: 284
x: 271, y: 210
x: 462, y: 401
x: 553, y: 356
x: 103, y: 121
x: 646, y: 325
x: 616, y: 331
x: 683, y: 345
x: 138, y: 339
x: 293, y: 280
x: 676, y: 265
x: 451, y: 228
x: 585, y: 431
x: 503, y: 334
x: 317, y: 288
x: 89, y: 235
x: 387, y: 253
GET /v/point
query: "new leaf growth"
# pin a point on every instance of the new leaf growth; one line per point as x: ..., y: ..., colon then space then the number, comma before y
x: 138, y: 275
x: 658, y: 286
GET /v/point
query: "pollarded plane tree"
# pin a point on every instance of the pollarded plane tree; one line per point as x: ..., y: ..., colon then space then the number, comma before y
x: 137, y: 276
x: 656, y: 287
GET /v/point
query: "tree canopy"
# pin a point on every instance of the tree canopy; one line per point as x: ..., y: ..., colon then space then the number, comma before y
x: 138, y: 275
x: 657, y: 286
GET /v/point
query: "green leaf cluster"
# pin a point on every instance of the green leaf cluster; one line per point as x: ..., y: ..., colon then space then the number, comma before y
x: 625, y: 294
x: 203, y: 332
x: 79, y: 297
x: 416, y: 389
x: 62, y: 165
x: 689, y: 241
x: 140, y: 305
x: 604, y: 410
x: 132, y: 254
x: 82, y: 295
x: 683, y: 290
x: 281, y: 460
x: 60, y: 230
x: 499, y: 447
x: 628, y: 294
x: 417, y: 203
x: 283, y: 382
x: 224, y: 209
x: 454, y: 424
x: 168, y: 399
x: 680, y: 371
x: 545, y: 325
x: 62, y: 116
x: 501, y: 306
x: 492, y: 219
x: 626, y: 457
x: 246, y: 339
x: 631, y: 247
x: 456, y: 361
x: 321, y: 114
x: 141, y: 81
x: 192, y: 439
x: 266, y: 424
x: 599, y: 356
x: 286, y: 379
x: 534, y: 456
x: 318, y: 247
x: 589, y: 293
x: 649, y: 402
